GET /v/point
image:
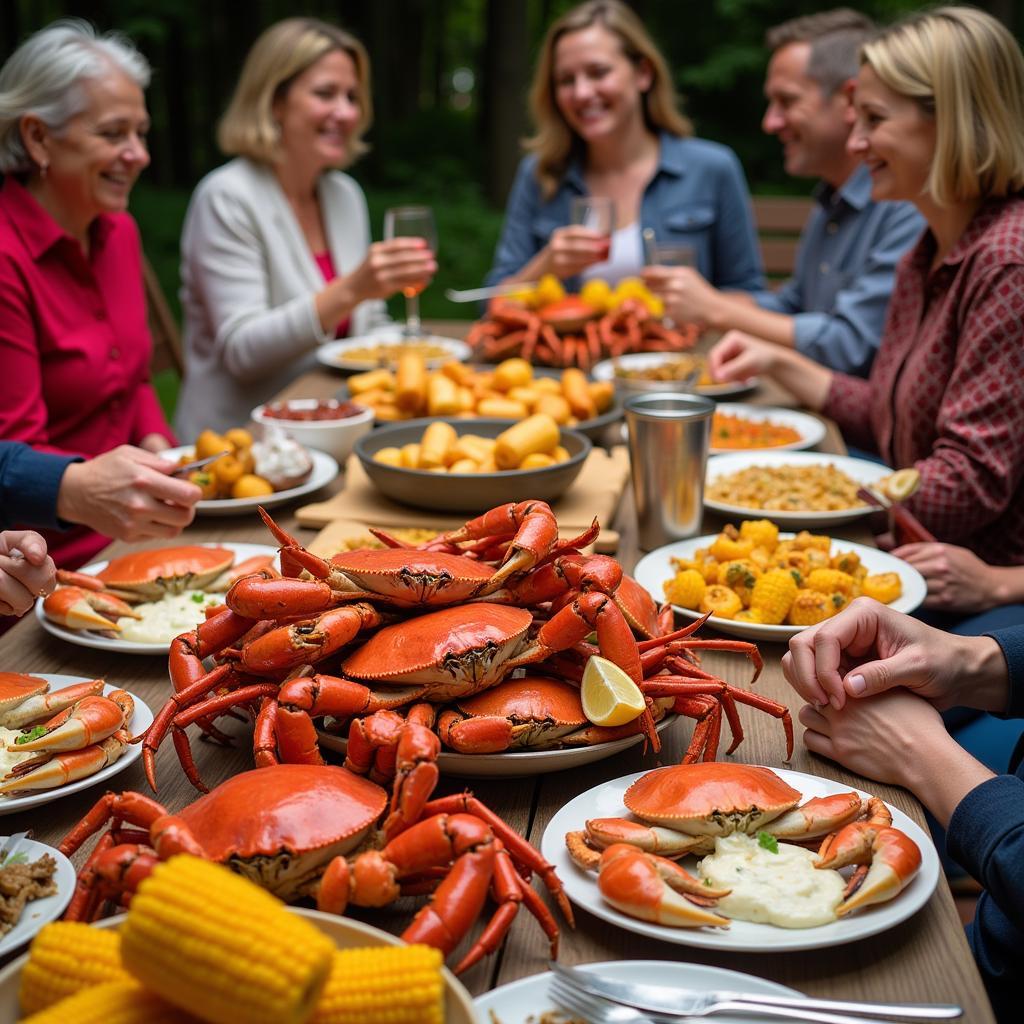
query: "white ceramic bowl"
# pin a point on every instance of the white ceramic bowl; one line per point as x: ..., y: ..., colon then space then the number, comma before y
x: 336, y: 437
x: 345, y: 932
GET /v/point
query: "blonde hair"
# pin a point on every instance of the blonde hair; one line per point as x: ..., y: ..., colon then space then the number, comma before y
x: 554, y: 142
x: 282, y: 53
x: 964, y: 69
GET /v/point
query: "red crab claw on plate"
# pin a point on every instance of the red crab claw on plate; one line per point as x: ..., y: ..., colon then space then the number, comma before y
x: 23, y: 699
x: 79, y: 608
x: 45, y: 772
x: 87, y: 721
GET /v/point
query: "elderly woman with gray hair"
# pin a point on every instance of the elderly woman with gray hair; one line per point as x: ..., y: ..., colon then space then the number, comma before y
x: 74, y: 344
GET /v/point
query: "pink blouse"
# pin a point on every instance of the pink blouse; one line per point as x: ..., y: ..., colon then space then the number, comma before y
x: 74, y: 342
x: 326, y: 265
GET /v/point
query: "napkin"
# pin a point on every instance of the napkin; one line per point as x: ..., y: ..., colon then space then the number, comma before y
x: 595, y: 492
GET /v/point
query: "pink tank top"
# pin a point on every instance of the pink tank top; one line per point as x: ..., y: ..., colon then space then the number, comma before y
x: 326, y: 265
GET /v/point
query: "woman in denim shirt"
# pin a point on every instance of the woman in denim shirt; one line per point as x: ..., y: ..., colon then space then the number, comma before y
x: 608, y: 125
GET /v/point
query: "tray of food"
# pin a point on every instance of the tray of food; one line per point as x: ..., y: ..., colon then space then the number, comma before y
x: 638, y: 372
x: 385, y: 349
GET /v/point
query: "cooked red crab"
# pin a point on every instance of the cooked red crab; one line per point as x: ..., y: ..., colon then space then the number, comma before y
x: 681, y: 809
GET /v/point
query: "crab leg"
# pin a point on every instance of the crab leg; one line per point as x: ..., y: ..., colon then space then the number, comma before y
x: 78, y: 608
x: 89, y: 720
x: 817, y: 817
x: 600, y: 833
x: 50, y: 772
x: 39, y: 705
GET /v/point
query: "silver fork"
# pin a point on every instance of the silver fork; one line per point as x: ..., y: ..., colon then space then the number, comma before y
x: 592, y: 1008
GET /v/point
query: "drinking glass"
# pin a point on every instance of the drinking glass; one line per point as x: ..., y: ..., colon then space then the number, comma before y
x: 596, y: 213
x: 412, y: 222
x: 674, y: 255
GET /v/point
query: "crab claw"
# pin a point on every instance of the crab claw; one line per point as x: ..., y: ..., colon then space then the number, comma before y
x: 87, y: 721
x: 653, y: 888
x: 23, y: 701
x: 894, y: 859
x: 78, y: 608
x: 50, y: 772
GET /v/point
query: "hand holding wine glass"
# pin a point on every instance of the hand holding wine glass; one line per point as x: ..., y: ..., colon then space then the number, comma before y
x: 412, y: 222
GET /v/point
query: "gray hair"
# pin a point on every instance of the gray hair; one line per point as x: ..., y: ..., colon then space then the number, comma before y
x: 43, y: 77
x: 835, y: 38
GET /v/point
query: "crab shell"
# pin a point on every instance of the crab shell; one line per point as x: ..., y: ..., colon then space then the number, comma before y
x: 568, y: 315
x: 15, y: 687
x: 413, y: 577
x: 280, y: 826
x: 540, y: 710
x: 453, y: 651
x: 710, y: 798
x: 149, y: 575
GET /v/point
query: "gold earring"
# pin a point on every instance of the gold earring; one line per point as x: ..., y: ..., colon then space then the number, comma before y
x: 43, y: 168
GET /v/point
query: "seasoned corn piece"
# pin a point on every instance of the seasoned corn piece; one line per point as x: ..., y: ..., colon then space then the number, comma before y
x: 725, y: 549
x: 686, y: 589
x: 809, y: 607
x: 805, y: 539
x: 721, y: 601
x: 773, y: 596
x: 762, y: 532
x: 830, y: 581
x: 885, y: 587
x: 747, y: 615
x: 846, y: 561
x: 739, y: 575
x: 114, y: 1002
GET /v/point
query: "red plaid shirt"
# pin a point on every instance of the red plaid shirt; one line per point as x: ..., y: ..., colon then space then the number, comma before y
x: 946, y: 392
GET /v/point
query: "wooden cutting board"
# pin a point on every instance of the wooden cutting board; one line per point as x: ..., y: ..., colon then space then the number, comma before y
x: 595, y: 492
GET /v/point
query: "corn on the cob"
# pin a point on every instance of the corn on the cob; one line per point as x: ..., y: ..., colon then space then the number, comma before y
x: 773, y: 595
x: 115, y: 1002
x: 64, y: 958
x: 830, y: 581
x: 686, y: 589
x: 740, y: 575
x: 809, y: 607
x: 884, y: 586
x: 762, y: 532
x: 383, y: 985
x: 222, y: 948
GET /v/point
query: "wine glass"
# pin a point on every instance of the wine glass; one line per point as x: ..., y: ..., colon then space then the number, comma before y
x: 412, y: 222
x: 596, y: 213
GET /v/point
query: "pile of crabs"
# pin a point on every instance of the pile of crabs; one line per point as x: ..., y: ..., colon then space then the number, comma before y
x: 408, y: 648
x: 573, y: 332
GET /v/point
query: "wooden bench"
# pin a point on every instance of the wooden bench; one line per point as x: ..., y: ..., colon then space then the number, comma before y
x: 779, y: 220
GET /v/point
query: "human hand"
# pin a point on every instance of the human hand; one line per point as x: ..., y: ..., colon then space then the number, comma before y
x: 155, y: 443
x: 574, y: 248
x: 687, y: 296
x: 390, y: 266
x: 739, y: 356
x: 886, y: 737
x: 958, y: 580
x: 26, y: 571
x: 869, y: 648
x: 127, y: 493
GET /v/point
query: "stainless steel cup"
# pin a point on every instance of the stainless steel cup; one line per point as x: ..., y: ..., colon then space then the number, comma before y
x: 668, y: 451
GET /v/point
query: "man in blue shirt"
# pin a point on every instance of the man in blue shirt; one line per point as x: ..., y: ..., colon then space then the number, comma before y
x: 833, y: 308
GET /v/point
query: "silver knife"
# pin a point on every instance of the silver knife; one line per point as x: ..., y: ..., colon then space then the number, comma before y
x: 685, y: 1002
x: 190, y: 467
x: 478, y: 294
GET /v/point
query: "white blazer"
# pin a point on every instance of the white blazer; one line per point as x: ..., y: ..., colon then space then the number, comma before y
x: 248, y: 282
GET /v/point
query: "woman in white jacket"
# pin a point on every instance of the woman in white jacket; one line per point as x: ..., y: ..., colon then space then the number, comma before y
x: 276, y: 251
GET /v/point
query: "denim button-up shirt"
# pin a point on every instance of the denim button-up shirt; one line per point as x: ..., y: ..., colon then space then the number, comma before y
x: 844, y: 274
x: 697, y: 196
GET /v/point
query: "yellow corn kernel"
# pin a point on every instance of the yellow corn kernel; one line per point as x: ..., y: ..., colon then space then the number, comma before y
x: 830, y: 581
x: 721, y: 601
x: 805, y: 539
x: 537, y: 460
x: 747, y: 615
x: 512, y: 373
x: 442, y: 396
x: 66, y: 957
x: 389, y: 456
x: 762, y: 558
x: 773, y: 595
x: 846, y: 561
x: 686, y: 589
x: 373, y: 380
x: 817, y: 559
x: 725, y: 549
x: 763, y: 532
x: 216, y: 944
x: 740, y: 575
x: 396, y: 984
x: 883, y: 586
x: 114, y: 1002
x: 434, y: 444
x: 809, y: 607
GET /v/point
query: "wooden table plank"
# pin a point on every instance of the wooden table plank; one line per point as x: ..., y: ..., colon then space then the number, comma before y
x: 924, y: 959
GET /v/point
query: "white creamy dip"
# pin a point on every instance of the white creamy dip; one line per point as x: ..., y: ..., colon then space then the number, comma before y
x: 9, y: 758
x: 783, y: 888
x: 167, y: 618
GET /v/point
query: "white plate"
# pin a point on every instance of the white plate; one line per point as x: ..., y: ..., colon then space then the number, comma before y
x: 605, y: 370
x: 334, y: 353
x: 36, y: 913
x: 518, y: 762
x: 325, y: 469
x: 142, y: 719
x: 860, y: 470
x: 655, y: 568
x: 605, y: 801
x: 87, y: 638
x: 523, y: 1001
x: 810, y: 428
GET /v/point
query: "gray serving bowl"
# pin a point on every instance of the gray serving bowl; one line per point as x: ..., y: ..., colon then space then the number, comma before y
x: 466, y: 492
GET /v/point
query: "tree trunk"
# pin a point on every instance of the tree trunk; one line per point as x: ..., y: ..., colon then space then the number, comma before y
x: 504, y: 70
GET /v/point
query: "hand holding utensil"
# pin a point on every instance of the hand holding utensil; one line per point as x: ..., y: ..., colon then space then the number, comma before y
x: 190, y: 467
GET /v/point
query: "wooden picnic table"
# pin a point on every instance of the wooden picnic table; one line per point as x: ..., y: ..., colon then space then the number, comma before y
x: 923, y: 959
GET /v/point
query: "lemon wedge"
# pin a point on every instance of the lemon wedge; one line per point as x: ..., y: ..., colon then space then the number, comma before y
x: 902, y: 484
x: 609, y: 696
